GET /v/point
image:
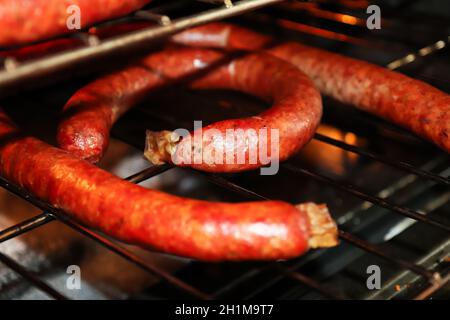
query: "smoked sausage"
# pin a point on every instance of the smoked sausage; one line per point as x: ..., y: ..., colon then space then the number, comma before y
x: 211, y: 231
x: 390, y: 95
x: 281, y: 130
x: 23, y: 21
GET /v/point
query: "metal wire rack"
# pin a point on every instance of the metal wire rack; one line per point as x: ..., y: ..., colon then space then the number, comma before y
x: 433, y: 277
x: 15, y: 73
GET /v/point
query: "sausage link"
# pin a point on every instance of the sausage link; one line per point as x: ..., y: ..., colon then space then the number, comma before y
x: 295, y: 113
x: 149, y: 218
x: 390, y: 95
x: 23, y: 21
x: 37, y: 50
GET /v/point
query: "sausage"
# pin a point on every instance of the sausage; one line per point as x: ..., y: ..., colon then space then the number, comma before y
x: 40, y: 49
x: 23, y: 21
x: 211, y: 231
x: 390, y: 95
x: 294, y: 115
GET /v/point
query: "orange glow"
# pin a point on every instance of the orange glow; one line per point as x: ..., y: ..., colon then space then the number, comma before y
x: 348, y: 19
x: 351, y: 4
x: 329, y: 157
x: 314, y: 10
x: 288, y: 24
x: 350, y: 138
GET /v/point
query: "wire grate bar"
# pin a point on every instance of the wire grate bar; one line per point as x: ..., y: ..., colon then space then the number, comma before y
x: 349, y: 238
x: 57, y: 62
x: 222, y: 182
x: 31, y: 277
x: 148, y: 173
x: 433, y: 277
x: 136, y: 260
x: 327, y: 292
x: 430, y: 290
x: 25, y: 226
x: 367, y: 197
x: 397, y: 164
x: 423, y: 52
x: 221, y: 293
x: 162, y: 19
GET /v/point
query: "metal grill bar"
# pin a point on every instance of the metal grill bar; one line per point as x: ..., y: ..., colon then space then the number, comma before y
x: 222, y: 182
x: 31, y: 277
x: 367, y: 197
x: 248, y: 193
x: 423, y: 52
x: 136, y: 260
x: 20, y: 72
x: 147, y: 173
x: 25, y: 226
x: 344, y: 235
x: 377, y: 157
x: 431, y: 289
x: 327, y: 292
x: 433, y: 277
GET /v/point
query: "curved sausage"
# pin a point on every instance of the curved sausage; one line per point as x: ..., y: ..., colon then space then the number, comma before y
x: 193, y: 228
x: 23, y: 21
x: 395, y: 97
x: 292, y: 119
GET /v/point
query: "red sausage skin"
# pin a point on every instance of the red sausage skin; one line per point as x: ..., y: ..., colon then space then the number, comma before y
x: 24, y: 21
x: 295, y: 113
x: 393, y: 96
x: 149, y: 218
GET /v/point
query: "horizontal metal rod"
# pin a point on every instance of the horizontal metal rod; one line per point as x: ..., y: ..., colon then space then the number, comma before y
x: 397, y: 164
x: 218, y: 180
x: 222, y: 182
x: 229, y: 286
x: 31, y: 277
x: 433, y: 277
x: 49, y: 65
x: 147, y: 173
x: 367, y: 197
x: 131, y: 257
x: 25, y: 226
x: 310, y: 282
x: 432, y: 288
x: 345, y: 235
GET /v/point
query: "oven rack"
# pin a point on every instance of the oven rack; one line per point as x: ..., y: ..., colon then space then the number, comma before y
x: 435, y: 279
x: 14, y: 73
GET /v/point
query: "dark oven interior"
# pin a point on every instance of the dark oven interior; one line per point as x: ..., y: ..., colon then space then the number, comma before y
x: 388, y: 190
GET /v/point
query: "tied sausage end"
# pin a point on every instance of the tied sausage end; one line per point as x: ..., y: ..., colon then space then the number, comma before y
x: 323, y: 230
x: 160, y: 146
